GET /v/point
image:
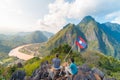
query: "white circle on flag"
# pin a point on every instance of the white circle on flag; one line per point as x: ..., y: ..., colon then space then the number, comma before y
x: 80, y: 42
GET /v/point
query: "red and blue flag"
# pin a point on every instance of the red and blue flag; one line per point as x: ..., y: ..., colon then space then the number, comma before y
x: 81, y: 43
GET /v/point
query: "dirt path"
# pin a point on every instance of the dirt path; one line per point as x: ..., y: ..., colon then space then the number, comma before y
x: 15, y: 52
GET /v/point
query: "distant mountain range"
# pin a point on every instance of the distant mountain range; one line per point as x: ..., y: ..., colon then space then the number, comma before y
x: 103, y: 37
x: 7, y: 42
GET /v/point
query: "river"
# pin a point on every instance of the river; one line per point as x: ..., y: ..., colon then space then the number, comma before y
x: 15, y: 52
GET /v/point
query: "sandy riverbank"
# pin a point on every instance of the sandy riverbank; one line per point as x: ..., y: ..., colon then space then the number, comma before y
x: 15, y: 52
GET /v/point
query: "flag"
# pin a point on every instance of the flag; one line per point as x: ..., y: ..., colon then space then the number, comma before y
x: 81, y: 43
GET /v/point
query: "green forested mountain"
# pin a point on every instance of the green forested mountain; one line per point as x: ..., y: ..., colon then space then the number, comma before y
x: 101, y: 37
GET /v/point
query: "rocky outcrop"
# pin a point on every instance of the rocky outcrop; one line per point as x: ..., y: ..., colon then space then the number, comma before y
x: 84, y: 73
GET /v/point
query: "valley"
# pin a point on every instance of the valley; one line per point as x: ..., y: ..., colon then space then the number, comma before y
x: 12, y: 42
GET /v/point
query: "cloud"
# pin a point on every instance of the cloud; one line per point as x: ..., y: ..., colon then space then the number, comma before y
x: 61, y: 10
x: 115, y: 17
x: 114, y: 14
x: 21, y: 15
x: 81, y: 8
x: 116, y: 20
x: 56, y: 18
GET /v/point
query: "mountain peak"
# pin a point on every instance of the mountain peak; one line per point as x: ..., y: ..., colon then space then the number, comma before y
x: 86, y: 19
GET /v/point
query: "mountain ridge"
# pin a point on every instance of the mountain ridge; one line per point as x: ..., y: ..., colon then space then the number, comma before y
x: 92, y: 32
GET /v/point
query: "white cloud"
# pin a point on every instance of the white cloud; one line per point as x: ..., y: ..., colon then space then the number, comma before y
x: 21, y: 15
x: 115, y: 17
x: 81, y: 8
x: 20, y: 12
x: 112, y: 15
x: 11, y: 17
x: 56, y: 18
x: 116, y: 20
x: 17, y: 13
x: 61, y: 10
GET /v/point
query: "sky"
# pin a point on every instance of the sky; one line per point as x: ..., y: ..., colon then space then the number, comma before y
x: 52, y: 15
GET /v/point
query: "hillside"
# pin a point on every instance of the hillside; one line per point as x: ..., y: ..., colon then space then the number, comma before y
x: 92, y: 59
x: 97, y: 38
x: 101, y: 37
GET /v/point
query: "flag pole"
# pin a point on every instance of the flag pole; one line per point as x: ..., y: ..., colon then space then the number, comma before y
x: 69, y: 52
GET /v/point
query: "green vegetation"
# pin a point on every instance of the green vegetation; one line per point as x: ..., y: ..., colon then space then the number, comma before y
x: 6, y: 60
x: 6, y: 72
x: 109, y: 65
x: 31, y: 65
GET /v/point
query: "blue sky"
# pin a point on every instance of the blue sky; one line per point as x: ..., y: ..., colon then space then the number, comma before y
x: 52, y: 15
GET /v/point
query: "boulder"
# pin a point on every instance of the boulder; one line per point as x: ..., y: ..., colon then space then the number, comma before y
x: 99, y: 72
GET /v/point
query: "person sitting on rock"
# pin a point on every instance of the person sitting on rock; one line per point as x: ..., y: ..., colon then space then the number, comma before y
x: 71, y: 69
x: 56, y: 62
x: 19, y: 74
x: 56, y: 68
